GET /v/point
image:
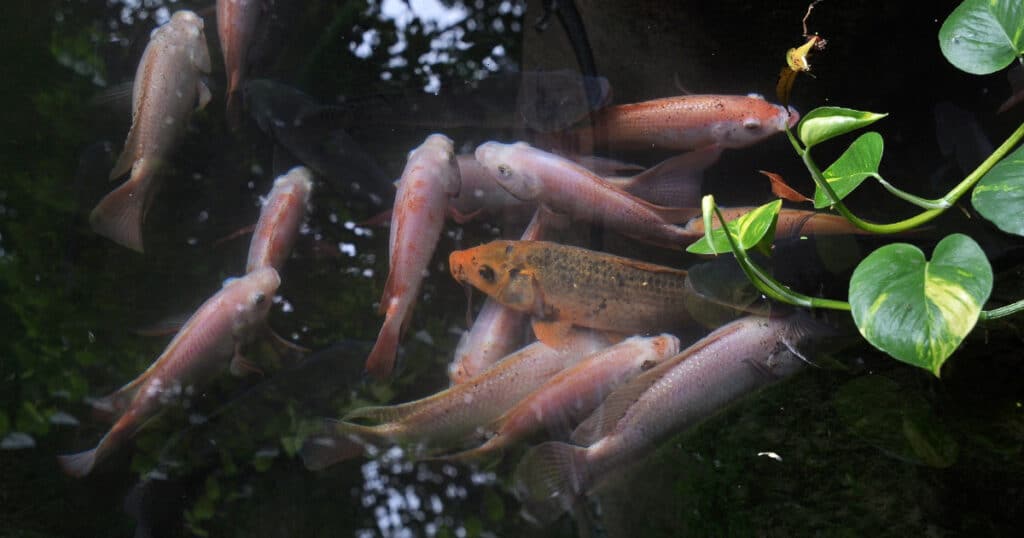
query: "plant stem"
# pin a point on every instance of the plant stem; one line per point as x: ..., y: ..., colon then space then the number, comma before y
x: 923, y: 203
x: 1002, y: 311
x: 907, y: 224
x: 767, y: 284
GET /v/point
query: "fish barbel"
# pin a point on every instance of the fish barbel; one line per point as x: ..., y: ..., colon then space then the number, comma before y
x: 731, y: 362
x: 567, y: 188
x: 280, y: 219
x: 692, y: 122
x: 450, y: 417
x: 430, y: 178
x: 217, y: 330
x: 562, y: 286
x: 166, y: 89
x: 573, y: 393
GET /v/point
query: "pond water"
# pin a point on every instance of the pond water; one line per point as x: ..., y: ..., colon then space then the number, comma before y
x: 857, y: 445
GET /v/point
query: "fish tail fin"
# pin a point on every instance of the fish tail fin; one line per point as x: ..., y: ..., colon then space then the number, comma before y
x: 328, y: 447
x: 550, y: 479
x: 676, y: 182
x: 120, y: 214
x: 82, y: 463
x: 233, y: 111
x: 79, y: 464
x: 381, y: 360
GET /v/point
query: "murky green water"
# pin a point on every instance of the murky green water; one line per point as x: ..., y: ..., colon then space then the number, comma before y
x: 859, y: 446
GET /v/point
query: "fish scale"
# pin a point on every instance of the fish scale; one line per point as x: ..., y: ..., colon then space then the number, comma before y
x: 578, y: 286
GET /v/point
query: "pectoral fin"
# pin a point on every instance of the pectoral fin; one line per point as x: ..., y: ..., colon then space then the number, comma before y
x: 554, y: 333
x: 241, y: 366
x: 204, y: 94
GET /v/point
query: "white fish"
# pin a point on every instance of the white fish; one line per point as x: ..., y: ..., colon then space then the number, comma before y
x: 166, y: 89
x: 731, y: 362
x: 216, y: 332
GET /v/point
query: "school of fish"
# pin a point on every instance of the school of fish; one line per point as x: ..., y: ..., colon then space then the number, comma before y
x: 585, y: 358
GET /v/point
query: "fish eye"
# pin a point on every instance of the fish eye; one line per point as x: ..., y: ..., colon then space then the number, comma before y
x: 487, y: 273
x: 259, y: 298
x: 647, y: 365
x: 504, y: 170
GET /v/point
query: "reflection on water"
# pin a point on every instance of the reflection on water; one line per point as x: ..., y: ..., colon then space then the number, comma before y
x: 855, y: 444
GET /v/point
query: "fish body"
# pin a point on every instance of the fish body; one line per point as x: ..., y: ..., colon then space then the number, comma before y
x: 280, y: 219
x: 565, y: 187
x: 236, y: 27
x: 430, y: 178
x: 166, y: 89
x: 731, y: 362
x: 573, y: 393
x: 791, y: 223
x: 451, y: 416
x: 693, y: 121
x: 563, y: 286
x: 214, y: 333
x: 496, y: 331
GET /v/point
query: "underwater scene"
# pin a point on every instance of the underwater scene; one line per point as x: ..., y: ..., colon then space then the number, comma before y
x: 458, y: 268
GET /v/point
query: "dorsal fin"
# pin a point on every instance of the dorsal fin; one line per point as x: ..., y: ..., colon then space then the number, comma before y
x: 674, y: 182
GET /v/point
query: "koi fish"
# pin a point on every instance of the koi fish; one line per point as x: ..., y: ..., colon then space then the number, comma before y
x: 280, y: 219
x: 692, y: 122
x: 731, y: 362
x: 790, y: 223
x: 573, y: 393
x: 563, y: 286
x: 218, y: 330
x: 166, y: 89
x: 480, y: 193
x: 236, y: 27
x: 451, y: 416
x: 430, y: 178
x: 497, y: 329
x: 564, y: 187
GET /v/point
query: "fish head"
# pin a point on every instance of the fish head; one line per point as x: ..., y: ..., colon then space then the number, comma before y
x: 438, y: 153
x: 753, y: 120
x: 495, y: 270
x: 256, y: 293
x: 188, y: 28
x: 504, y: 163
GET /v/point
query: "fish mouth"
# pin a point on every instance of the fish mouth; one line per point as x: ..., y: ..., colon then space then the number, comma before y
x: 792, y: 116
x: 456, y: 267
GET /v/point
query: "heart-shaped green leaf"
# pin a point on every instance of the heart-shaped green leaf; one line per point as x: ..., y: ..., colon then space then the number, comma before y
x: 999, y: 196
x: 828, y: 122
x: 749, y: 229
x: 916, y: 310
x: 859, y: 162
x: 983, y: 36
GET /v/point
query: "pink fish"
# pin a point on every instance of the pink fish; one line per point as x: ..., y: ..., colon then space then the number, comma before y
x: 446, y: 419
x: 217, y: 331
x: 166, y: 89
x: 236, y: 27
x: 280, y: 219
x: 731, y: 362
x: 791, y: 223
x: 573, y: 393
x: 693, y: 121
x: 430, y: 178
x: 567, y: 188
